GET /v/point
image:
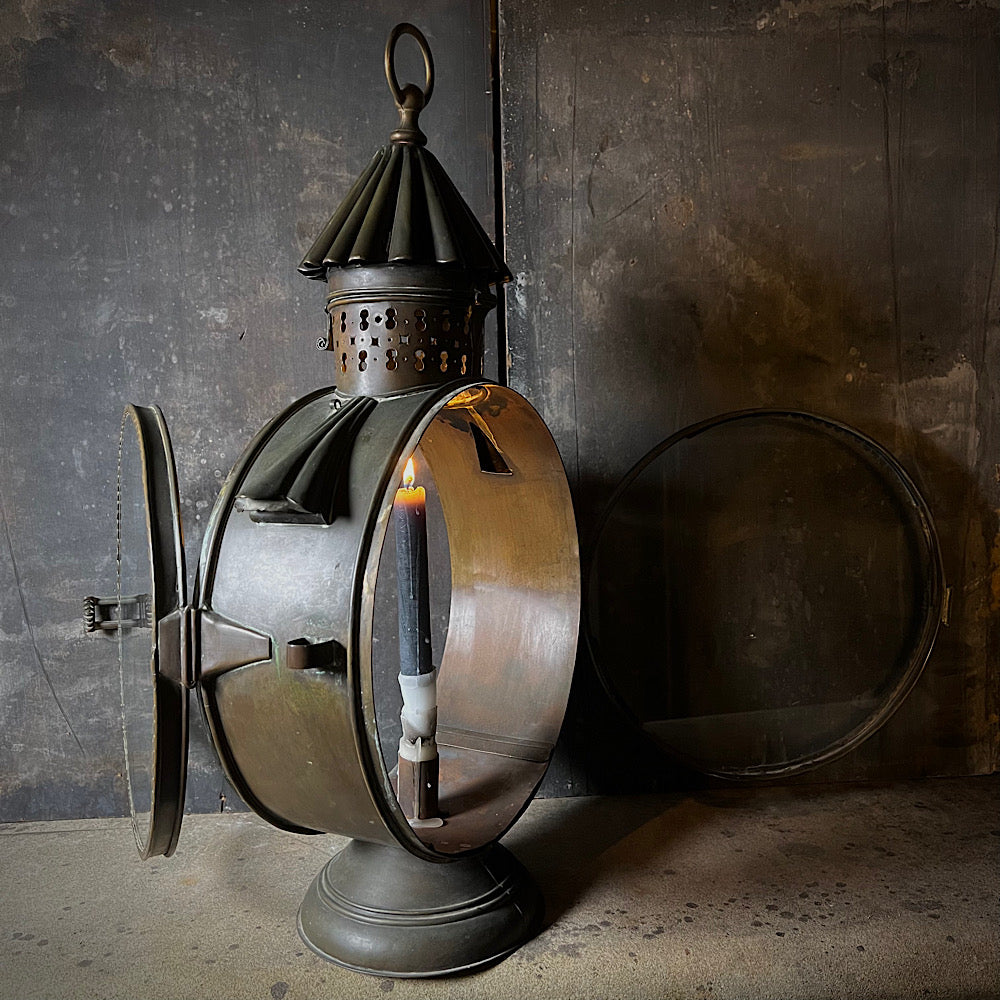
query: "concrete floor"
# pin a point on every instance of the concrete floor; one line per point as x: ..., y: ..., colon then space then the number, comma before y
x: 826, y: 891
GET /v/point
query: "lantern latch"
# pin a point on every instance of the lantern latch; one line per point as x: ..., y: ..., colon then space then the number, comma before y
x: 101, y: 614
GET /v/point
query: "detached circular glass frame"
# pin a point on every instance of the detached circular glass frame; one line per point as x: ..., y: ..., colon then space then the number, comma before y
x: 150, y: 596
x: 764, y: 590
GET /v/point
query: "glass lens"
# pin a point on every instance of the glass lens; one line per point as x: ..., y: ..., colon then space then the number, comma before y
x: 135, y: 635
x: 761, y: 590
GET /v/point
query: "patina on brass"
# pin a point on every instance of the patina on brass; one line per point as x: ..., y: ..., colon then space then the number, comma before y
x: 299, y: 735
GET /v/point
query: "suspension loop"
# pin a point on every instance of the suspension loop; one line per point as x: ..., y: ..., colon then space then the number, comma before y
x: 399, y: 93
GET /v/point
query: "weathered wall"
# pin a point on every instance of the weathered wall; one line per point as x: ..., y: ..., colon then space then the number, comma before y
x: 717, y: 206
x: 162, y: 169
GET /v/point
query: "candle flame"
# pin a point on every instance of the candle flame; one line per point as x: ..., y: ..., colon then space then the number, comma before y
x: 408, y: 474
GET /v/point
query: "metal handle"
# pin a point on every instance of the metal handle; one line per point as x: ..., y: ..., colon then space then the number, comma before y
x: 407, y: 96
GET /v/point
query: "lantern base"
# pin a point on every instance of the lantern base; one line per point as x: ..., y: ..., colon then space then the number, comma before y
x: 383, y: 911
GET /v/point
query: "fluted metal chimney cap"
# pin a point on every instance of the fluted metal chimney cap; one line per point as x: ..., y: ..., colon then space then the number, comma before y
x: 404, y: 208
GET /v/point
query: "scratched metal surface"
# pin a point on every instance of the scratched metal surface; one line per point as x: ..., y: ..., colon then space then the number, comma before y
x: 712, y: 206
x: 163, y: 169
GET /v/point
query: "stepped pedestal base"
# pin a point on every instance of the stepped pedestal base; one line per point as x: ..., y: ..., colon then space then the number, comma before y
x: 382, y: 911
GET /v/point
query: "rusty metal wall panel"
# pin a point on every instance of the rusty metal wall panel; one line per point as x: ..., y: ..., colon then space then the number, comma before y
x: 718, y: 206
x: 162, y: 171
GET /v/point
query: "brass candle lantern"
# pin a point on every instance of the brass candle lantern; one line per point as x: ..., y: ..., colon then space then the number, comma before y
x: 279, y: 637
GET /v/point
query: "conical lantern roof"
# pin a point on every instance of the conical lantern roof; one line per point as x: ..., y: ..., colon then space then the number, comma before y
x: 404, y: 208
x: 408, y: 264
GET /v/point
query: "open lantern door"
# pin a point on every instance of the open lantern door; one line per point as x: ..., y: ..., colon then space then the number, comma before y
x: 147, y: 616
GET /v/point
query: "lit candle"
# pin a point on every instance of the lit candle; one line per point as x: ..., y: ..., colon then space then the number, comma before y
x: 410, y: 517
x: 417, y: 775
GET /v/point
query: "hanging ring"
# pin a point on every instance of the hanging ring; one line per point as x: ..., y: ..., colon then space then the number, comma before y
x: 400, y: 94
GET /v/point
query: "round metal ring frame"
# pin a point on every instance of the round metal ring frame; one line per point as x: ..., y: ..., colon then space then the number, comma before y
x: 935, y: 590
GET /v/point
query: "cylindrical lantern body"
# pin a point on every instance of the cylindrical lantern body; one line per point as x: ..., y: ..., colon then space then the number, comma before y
x: 298, y: 731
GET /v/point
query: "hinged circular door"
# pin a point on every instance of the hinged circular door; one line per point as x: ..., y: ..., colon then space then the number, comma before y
x: 151, y: 632
x: 764, y: 591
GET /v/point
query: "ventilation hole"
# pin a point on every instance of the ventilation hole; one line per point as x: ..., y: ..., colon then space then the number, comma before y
x: 362, y: 361
x: 420, y: 316
x: 390, y: 318
x: 434, y: 341
x: 353, y: 341
x: 444, y: 361
x: 404, y: 338
x: 390, y: 360
x: 446, y: 320
x: 343, y: 363
x: 464, y: 358
x: 364, y: 319
x: 375, y: 342
x: 343, y: 327
x: 490, y: 458
x: 419, y: 360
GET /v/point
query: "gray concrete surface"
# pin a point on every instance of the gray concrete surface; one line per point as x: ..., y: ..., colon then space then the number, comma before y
x: 828, y: 891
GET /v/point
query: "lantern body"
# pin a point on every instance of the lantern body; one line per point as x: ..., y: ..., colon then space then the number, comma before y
x: 296, y: 727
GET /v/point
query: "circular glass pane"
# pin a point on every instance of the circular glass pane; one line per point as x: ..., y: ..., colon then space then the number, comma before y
x: 764, y: 590
x: 150, y: 612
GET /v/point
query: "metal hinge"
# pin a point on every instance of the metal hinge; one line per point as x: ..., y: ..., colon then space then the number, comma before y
x: 175, y: 635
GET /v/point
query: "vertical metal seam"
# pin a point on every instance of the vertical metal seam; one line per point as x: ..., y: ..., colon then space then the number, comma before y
x: 499, y: 207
